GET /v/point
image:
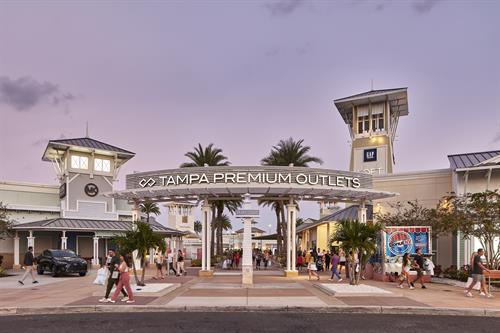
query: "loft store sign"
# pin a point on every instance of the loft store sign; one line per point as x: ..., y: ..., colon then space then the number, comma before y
x: 251, y: 178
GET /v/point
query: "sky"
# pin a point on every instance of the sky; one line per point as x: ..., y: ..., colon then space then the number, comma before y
x: 159, y: 77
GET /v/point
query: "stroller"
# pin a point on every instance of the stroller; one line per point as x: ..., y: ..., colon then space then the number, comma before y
x: 319, y: 264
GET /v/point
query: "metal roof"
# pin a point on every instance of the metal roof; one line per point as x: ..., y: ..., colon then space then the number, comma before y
x: 348, y: 213
x: 468, y: 160
x: 86, y: 142
x: 254, y: 230
x: 397, y: 98
x: 59, y: 224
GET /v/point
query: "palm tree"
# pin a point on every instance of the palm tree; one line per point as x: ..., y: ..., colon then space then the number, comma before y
x: 149, y: 208
x: 287, y: 152
x: 221, y: 223
x: 205, y: 156
x: 232, y: 206
x: 141, y: 238
x: 357, y: 238
x: 208, y: 156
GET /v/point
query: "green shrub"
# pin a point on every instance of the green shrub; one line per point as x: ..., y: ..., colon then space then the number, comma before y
x: 196, y: 263
x: 3, y: 272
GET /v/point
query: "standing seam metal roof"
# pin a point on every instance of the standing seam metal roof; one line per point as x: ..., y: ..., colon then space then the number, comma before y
x: 91, y: 143
x: 468, y: 160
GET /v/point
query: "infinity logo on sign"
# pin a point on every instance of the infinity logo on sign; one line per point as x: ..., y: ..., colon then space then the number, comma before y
x: 147, y: 182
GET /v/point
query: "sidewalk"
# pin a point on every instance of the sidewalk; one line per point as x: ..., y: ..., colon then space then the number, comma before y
x: 224, y: 292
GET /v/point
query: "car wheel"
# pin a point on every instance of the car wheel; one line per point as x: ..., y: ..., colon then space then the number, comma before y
x: 82, y: 273
x: 39, y: 270
x: 53, y: 271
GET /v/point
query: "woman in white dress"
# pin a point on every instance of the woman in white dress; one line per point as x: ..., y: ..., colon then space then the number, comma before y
x: 311, y: 268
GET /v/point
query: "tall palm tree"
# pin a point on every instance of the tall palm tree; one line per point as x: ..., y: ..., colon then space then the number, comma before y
x: 221, y: 223
x: 149, y: 208
x: 231, y: 206
x: 287, y: 152
x: 197, y: 226
x: 211, y: 156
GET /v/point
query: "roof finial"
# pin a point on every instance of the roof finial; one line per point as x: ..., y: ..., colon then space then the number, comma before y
x: 87, y: 129
x: 372, y: 85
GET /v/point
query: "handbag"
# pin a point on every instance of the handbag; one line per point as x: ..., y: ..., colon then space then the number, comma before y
x: 115, y: 275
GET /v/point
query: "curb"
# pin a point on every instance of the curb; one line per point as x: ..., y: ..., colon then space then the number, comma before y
x: 329, y: 309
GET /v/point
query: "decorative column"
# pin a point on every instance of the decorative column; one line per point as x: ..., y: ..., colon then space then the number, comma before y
x: 31, y: 241
x: 95, y: 258
x: 205, y: 239
x: 292, y: 240
x: 151, y: 256
x: 16, y: 252
x: 247, y: 214
x: 64, y: 241
x: 362, y: 212
x: 136, y: 212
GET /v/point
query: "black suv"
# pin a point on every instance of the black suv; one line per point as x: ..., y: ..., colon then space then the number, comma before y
x: 59, y: 262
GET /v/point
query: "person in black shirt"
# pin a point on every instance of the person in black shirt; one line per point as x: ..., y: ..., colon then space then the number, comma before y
x: 418, y: 264
x: 477, y: 275
x: 29, y: 262
x: 112, y: 262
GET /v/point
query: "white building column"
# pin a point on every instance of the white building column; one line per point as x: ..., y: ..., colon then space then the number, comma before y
x: 292, y: 218
x: 151, y: 256
x: 362, y: 212
x: 31, y: 241
x: 16, y: 252
x: 95, y: 257
x: 288, y: 245
x: 64, y: 241
x: 247, y: 263
x: 136, y: 212
x: 205, y: 239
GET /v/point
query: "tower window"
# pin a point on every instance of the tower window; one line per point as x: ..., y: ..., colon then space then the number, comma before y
x: 363, y: 119
x: 377, y: 117
x: 79, y: 162
x: 102, y: 165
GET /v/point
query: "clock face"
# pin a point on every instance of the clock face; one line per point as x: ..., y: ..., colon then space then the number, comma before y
x: 91, y: 190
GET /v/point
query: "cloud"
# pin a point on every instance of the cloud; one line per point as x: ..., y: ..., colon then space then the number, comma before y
x: 424, y: 6
x: 24, y: 93
x: 283, y: 7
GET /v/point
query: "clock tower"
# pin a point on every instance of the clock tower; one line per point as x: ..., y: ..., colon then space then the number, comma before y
x: 86, y: 169
x: 372, y: 119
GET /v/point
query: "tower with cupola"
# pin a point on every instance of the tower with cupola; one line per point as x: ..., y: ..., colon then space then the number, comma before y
x: 372, y: 118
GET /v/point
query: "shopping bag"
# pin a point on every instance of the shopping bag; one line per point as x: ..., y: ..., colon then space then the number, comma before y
x: 469, y: 281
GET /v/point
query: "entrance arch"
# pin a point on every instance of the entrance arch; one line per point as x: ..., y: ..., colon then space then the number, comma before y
x: 289, y: 184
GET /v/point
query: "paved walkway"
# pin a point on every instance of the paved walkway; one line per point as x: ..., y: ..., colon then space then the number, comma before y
x: 269, y: 290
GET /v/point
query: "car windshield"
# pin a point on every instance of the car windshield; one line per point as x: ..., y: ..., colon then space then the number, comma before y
x: 63, y: 253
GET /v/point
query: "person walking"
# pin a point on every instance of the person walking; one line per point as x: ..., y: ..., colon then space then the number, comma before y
x: 478, y: 270
x: 159, y: 266
x: 258, y: 259
x: 29, y: 263
x: 237, y: 259
x: 123, y: 282
x: 180, y: 264
x: 328, y: 259
x: 335, y: 262
x: 170, y: 263
x: 299, y: 261
x: 342, y: 261
x: 307, y: 257
x: 405, y: 272
x: 112, y: 262
x: 312, y: 269
x: 418, y: 264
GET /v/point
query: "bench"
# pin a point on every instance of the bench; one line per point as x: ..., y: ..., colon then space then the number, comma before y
x: 492, y: 274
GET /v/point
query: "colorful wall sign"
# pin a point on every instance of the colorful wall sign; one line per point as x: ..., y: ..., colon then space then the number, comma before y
x: 401, y: 240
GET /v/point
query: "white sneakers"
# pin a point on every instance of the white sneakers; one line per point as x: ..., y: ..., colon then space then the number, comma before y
x: 105, y: 300
x: 468, y: 294
x: 124, y: 299
x: 412, y: 287
x: 340, y: 280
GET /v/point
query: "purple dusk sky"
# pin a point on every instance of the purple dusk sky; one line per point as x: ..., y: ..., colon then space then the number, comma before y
x: 157, y: 77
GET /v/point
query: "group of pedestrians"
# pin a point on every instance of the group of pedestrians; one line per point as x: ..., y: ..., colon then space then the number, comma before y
x: 231, y: 260
x: 168, y: 261
x: 262, y: 258
x: 118, y: 275
x: 418, y: 264
x: 318, y: 261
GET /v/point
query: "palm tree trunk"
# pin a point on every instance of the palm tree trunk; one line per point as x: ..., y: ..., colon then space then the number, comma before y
x: 143, y: 265
x: 135, y: 271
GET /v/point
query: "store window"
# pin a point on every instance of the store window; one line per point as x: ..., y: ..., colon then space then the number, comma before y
x: 102, y: 165
x: 79, y: 162
x: 363, y: 119
x: 377, y: 117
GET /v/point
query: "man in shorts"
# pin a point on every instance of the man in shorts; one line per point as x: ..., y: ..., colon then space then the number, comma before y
x: 418, y: 264
x: 478, y: 275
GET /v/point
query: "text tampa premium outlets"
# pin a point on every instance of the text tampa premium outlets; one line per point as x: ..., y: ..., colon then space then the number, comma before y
x: 251, y: 178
